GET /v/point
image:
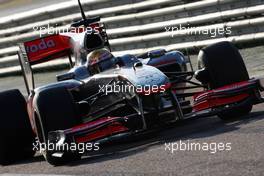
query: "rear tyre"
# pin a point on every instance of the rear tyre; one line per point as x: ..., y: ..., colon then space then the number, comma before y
x: 16, y: 136
x: 56, y: 110
x: 221, y: 64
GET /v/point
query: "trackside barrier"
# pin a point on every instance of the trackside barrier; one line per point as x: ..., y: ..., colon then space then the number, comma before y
x: 137, y: 26
x: 183, y: 46
x: 59, y: 9
x: 119, y: 19
x: 148, y: 28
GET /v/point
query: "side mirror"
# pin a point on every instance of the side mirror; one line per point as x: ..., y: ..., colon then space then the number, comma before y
x: 137, y: 64
x: 118, y: 61
x: 156, y: 53
x: 65, y: 76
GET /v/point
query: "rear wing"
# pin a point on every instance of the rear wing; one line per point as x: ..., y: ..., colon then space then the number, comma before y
x: 42, y: 50
x: 47, y: 48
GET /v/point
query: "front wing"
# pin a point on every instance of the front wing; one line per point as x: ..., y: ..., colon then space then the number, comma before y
x: 204, y: 104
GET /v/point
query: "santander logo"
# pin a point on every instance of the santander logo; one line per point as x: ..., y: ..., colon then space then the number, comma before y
x: 39, y: 46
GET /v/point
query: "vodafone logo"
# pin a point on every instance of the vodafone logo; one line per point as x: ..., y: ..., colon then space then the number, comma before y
x: 39, y: 46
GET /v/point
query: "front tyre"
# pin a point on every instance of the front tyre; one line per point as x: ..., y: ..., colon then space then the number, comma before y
x: 219, y: 65
x: 56, y: 110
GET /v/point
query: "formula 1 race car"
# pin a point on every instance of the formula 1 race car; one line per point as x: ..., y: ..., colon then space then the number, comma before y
x: 104, y: 98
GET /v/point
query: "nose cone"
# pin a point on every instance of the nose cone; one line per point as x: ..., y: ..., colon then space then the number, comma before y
x: 149, y: 76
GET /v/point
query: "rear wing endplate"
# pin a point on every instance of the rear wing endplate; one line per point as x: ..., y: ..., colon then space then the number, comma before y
x: 42, y: 50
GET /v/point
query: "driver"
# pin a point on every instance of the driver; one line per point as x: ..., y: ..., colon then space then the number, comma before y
x: 100, y: 60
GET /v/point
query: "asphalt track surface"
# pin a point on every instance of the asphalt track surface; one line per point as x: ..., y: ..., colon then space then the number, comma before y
x: 148, y: 156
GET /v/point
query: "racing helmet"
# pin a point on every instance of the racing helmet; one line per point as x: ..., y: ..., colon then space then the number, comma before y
x: 100, y: 60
